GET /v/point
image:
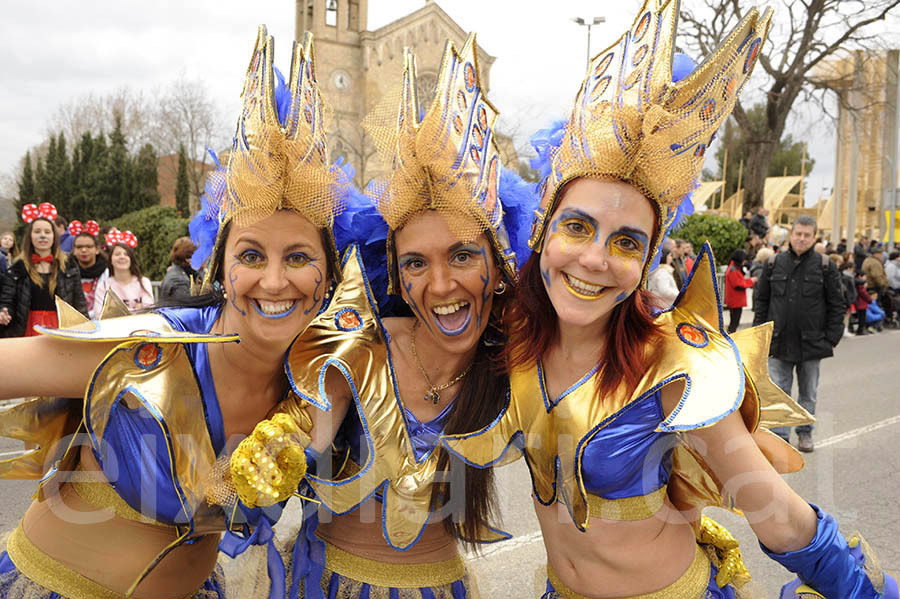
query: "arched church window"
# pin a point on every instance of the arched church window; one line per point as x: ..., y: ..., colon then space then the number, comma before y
x: 331, y: 9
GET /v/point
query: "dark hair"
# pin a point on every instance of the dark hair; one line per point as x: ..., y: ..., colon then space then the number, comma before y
x: 182, y: 250
x: 806, y: 221
x: 485, y: 391
x: 60, y: 221
x: 59, y: 257
x: 89, y: 236
x: 739, y: 256
x: 894, y: 255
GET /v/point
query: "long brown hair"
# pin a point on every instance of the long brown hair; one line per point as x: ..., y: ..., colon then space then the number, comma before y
x: 481, y: 397
x: 59, y: 257
x: 532, y: 326
x: 133, y: 267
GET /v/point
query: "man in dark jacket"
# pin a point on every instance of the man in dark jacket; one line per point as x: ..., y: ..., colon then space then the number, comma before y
x: 800, y: 291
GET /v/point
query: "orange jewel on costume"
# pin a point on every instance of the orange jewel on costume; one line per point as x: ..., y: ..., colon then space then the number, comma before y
x: 147, y: 355
x: 692, y: 335
x: 349, y: 320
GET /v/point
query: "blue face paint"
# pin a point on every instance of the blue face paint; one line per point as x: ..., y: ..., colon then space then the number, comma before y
x: 232, y: 279
x: 412, y: 302
x: 485, y: 292
x: 546, y: 275
x: 570, y: 213
x: 273, y: 316
x: 621, y: 297
x: 316, y: 297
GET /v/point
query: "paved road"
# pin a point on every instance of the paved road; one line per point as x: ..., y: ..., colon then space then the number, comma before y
x: 854, y: 474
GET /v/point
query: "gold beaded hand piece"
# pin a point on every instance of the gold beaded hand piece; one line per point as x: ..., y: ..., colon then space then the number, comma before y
x: 268, y: 465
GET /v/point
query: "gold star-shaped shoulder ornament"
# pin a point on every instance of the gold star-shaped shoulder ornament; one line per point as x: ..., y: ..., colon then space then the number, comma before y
x: 147, y: 370
x: 348, y: 337
x: 720, y: 374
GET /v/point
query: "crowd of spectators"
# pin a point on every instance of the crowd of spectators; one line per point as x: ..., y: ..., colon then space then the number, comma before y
x: 78, y: 265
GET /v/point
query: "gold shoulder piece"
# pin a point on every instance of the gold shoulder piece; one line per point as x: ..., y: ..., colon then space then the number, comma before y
x: 347, y: 336
x: 44, y: 421
x: 776, y: 407
x: 698, y: 350
x: 113, y: 307
x: 146, y: 326
x: 69, y: 316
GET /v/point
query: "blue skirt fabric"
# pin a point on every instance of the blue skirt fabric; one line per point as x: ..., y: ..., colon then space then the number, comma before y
x: 15, y: 585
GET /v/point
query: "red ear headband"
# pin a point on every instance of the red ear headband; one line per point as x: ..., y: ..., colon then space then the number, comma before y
x: 91, y: 228
x: 30, y: 212
x: 125, y: 237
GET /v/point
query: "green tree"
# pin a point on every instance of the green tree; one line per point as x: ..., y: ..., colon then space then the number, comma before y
x: 156, y: 228
x: 40, y: 182
x: 182, y: 184
x: 112, y: 183
x: 724, y: 234
x: 146, y: 177
x: 26, y: 185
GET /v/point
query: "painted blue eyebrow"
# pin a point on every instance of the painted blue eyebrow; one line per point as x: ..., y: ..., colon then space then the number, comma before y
x: 575, y: 213
x: 640, y: 235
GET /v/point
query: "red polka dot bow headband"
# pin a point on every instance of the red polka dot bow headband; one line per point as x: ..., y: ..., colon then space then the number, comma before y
x: 30, y: 212
x: 77, y: 228
x: 124, y: 237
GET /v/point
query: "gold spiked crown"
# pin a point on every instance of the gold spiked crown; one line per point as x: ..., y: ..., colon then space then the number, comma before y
x: 278, y: 160
x: 448, y: 161
x: 632, y: 123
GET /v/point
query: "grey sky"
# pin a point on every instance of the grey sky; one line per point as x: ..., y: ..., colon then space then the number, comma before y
x: 55, y: 52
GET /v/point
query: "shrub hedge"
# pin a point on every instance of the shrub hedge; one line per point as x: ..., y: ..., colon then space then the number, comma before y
x: 156, y: 228
x: 724, y: 234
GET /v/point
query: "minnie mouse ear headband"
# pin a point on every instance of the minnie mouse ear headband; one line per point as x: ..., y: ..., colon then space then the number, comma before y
x: 124, y: 237
x: 91, y: 227
x: 46, y: 210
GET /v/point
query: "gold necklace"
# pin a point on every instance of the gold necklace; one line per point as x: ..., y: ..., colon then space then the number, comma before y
x: 432, y: 394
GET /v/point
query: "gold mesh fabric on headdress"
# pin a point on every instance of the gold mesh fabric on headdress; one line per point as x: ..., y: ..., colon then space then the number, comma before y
x: 274, y: 166
x: 631, y: 123
x: 448, y: 162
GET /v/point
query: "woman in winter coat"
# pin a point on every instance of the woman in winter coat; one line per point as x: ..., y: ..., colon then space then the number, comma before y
x: 27, y: 296
x: 736, y: 286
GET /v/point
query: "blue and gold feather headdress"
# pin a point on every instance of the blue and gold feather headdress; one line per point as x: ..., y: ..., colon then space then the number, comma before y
x: 632, y: 123
x: 278, y: 160
x: 447, y: 160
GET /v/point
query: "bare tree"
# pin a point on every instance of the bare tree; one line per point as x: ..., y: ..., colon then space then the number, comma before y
x: 349, y: 141
x: 92, y: 113
x: 805, y: 35
x: 185, y: 114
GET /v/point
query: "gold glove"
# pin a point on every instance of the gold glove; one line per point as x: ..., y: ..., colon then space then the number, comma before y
x: 268, y: 465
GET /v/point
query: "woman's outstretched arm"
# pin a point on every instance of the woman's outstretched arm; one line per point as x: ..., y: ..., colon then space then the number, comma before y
x: 45, y: 366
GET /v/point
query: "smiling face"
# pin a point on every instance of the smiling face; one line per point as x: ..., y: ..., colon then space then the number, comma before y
x: 276, y: 274
x: 42, y: 235
x: 85, y: 250
x: 120, y: 259
x: 448, y: 284
x: 594, y: 252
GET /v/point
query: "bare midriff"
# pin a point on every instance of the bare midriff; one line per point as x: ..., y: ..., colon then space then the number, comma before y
x: 630, y: 557
x: 359, y: 533
x: 113, y: 551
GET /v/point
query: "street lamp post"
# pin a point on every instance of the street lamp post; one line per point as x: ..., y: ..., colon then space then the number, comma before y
x: 890, y: 201
x: 588, y: 24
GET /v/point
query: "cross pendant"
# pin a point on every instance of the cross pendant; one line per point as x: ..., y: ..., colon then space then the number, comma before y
x: 432, y: 396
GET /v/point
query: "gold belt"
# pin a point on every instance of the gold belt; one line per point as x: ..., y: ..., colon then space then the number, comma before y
x: 692, y: 584
x: 101, y: 495
x: 627, y: 508
x: 386, y: 574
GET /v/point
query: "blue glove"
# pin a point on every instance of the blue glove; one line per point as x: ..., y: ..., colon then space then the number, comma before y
x: 832, y: 568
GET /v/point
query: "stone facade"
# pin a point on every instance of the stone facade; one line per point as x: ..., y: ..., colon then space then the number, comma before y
x: 356, y: 67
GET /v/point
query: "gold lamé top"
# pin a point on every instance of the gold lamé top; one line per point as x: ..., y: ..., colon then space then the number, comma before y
x: 632, y: 123
x: 348, y: 336
x: 448, y: 159
x: 694, y: 350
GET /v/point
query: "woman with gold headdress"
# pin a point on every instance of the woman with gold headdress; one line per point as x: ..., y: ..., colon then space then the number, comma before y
x: 137, y: 505
x: 633, y: 420
x: 456, y: 222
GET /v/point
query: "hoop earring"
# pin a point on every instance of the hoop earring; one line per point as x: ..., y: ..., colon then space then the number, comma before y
x: 501, y: 288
